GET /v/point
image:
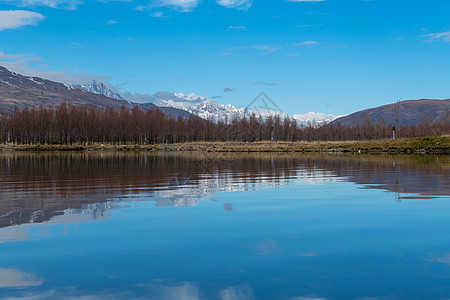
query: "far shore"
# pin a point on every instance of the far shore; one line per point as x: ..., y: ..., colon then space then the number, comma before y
x: 403, y: 145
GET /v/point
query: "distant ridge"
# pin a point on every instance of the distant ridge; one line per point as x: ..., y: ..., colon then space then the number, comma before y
x: 23, y: 91
x: 411, y: 112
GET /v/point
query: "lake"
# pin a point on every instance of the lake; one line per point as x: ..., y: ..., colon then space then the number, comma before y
x: 126, y: 225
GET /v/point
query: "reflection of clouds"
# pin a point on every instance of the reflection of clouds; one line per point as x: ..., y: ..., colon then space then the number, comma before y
x: 307, y: 254
x: 12, y: 278
x: 315, y: 177
x: 183, y: 291
x: 189, y: 192
x: 155, y: 291
x: 68, y: 294
x: 445, y: 259
x: 267, y: 247
x: 89, y: 212
x: 242, y: 292
x: 307, y: 298
x: 14, y: 234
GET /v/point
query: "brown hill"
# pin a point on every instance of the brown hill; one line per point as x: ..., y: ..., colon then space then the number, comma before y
x: 411, y: 112
x: 22, y: 91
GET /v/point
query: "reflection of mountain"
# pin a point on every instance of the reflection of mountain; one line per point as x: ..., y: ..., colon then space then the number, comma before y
x: 35, y: 187
x: 391, y: 173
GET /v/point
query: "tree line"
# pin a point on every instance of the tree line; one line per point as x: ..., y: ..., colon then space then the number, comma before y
x: 67, y: 124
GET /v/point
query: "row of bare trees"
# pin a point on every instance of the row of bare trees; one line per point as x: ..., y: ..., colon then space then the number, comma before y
x: 86, y: 125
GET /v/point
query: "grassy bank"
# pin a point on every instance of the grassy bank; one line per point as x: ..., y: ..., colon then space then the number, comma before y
x: 412, y: 145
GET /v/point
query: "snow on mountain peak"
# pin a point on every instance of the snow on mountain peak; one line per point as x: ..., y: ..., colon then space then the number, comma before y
x: 203, y: 107
x: 98, y: 87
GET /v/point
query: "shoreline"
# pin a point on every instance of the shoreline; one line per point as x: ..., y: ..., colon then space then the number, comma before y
x: 438, y: 145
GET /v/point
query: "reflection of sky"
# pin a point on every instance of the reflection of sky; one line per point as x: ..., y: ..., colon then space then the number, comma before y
x: 310, y: 236
x: 12, y: 278
x: 331, y: 241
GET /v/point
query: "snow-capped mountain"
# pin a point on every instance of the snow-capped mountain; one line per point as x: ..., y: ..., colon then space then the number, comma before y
x: 203, y: 107
x: 313, y: 118
x: 209, y: 109
x: 98, y: 87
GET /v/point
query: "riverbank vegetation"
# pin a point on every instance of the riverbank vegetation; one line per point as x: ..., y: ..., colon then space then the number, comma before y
x: 403, y: 145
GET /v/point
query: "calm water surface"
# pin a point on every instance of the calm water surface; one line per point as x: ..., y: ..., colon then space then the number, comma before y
x: 222, y: 226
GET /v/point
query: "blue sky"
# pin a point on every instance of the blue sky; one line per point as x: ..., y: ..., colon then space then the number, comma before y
x: 330, y: 56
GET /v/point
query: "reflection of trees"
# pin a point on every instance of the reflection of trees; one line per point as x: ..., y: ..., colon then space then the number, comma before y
x: 34, y: 187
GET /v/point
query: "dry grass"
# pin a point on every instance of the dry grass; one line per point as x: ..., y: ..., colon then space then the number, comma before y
x: 410, y: 145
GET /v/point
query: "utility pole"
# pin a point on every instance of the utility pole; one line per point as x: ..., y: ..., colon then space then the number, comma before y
x: 396, y: 114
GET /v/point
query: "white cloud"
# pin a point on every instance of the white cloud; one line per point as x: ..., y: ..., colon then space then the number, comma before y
x: 306, y: 43
x: 237, y: 27
x: 180, y: 5
x: 20, y: 63
x: 4, y: 56
x: 268, y: 49
x: 111, y: 22
x: 158, y: 14
x: 10, y: 19
x: 444, y: 36
x: 64, y: 4
x: 237, y: 4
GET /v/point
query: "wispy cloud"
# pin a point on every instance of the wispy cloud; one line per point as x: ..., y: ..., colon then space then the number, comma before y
x: 237, y: 4
x: 228, y: 90
x: 76, y: 45
x: 305, y: 0
x: 237, y: 27
x: 4, y: 56
x: 179, y: 5
x: 10, y: 19
x: 268, y: 49
x: 445, y: 259
x: 443, y: 36
x: 111, y: 22
x: 22, y: 64
x: 264, y: 83
x: 306, y: 43
x: 63, y: 4
x: 158, y: 14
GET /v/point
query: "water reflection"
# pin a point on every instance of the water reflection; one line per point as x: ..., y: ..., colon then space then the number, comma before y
x: 13, y: 278
x: 223, y: 226
x: 36, y: 187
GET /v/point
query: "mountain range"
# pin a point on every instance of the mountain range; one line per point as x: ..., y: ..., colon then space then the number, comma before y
x: 203, y: 107
x: 23, y: 91
x: 410, y: 112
